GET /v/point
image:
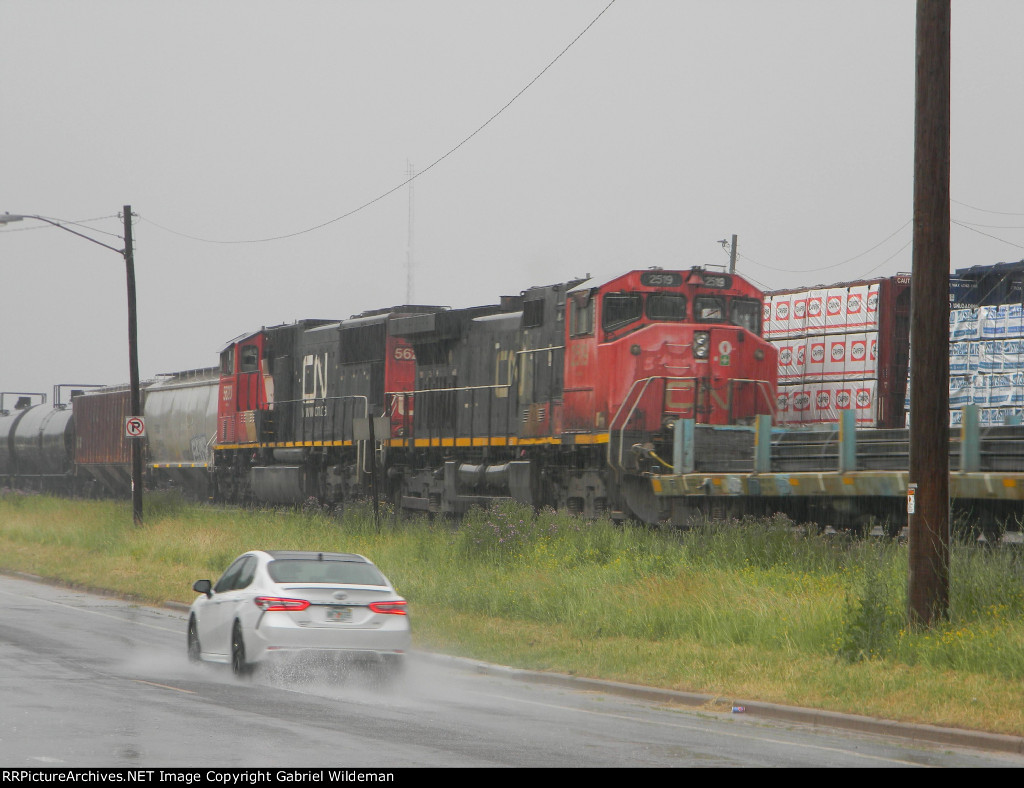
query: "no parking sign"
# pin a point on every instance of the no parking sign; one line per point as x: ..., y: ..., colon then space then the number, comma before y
x: 135, y: 427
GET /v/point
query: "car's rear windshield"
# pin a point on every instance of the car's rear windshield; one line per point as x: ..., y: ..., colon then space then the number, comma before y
x: 310, y: 570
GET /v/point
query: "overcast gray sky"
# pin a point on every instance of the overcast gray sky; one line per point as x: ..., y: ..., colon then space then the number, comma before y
x: 667, y: 126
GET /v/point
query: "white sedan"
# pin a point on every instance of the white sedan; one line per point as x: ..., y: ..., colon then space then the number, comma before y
x: 273, y: 603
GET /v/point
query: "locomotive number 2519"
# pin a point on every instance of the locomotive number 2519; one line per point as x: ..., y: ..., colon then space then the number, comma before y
x: 661, y: 279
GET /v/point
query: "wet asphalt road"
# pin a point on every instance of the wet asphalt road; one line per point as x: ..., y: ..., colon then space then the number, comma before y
x: 93, y: 681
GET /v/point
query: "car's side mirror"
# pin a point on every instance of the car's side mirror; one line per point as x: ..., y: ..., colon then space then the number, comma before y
x: 203, y: 587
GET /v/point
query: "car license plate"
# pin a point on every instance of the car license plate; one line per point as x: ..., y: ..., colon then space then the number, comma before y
x: 339, y: 614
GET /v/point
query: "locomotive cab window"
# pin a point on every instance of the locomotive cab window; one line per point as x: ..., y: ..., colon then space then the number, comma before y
x: 248, y: 359
x: 708, y: 309
x: 621, y: 309
x: 227, y: 361
x: 533, y: 313
x: 666, y: 306
x: 746, y: 313
x: 581, y: 316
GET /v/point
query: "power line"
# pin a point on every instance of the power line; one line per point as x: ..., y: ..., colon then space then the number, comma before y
x: 79, y: 223
x: 837, y: 265
x: 966, y: 225
x: 408, y: 180
x: 987, y: 235
x: 886, y: 260
x: 991, y: 226
x: 985, y: 210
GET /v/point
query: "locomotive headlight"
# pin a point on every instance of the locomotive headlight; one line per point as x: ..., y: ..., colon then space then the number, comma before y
x: 701, y: 344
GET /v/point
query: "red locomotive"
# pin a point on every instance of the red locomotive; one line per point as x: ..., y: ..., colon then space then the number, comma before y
x: 697, y: 333
x: 552, y: 397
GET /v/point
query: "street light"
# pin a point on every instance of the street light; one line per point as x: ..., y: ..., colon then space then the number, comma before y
x: 133, y: 352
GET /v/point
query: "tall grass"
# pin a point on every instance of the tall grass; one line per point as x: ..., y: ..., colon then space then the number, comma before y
x: 755, y: 605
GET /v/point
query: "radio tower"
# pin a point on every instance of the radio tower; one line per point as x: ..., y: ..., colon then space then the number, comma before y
x: 410, y: 174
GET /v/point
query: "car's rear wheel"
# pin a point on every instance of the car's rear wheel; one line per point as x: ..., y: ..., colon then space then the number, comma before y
x: 193, y: 641
x: 239, y: 666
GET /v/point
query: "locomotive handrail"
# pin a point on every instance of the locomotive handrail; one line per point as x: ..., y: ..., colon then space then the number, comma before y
x: 615, y: 418
x: 211, y: 466
x: 289, y: 412
x: 762, y: 387
x: 452, y: 388
x: 491, y: 389
x: 617, y: 462
x: 539, y: 349
x: 611, y: 427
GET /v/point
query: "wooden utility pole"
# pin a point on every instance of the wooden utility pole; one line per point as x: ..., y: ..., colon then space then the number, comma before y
x: 928, y: 517
x: 133, y: 367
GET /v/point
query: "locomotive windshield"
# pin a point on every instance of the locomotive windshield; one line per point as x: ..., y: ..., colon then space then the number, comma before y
x: 621, y: 309
x: 746, y: 313
x: 709, y: 309
x: 666, y: 306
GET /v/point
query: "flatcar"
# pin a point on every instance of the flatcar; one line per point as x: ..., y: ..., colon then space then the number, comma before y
x: 843, y: 346
x: 846, y: 346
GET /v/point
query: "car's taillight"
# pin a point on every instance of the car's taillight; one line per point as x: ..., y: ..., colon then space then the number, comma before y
x: 267, y: 603
x: 396, y: 608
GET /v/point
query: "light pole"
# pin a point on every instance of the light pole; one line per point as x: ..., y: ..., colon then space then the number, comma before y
x: 133, y: 351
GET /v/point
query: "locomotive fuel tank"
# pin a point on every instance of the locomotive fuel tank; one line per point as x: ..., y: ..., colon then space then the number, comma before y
x: 284, y: 484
